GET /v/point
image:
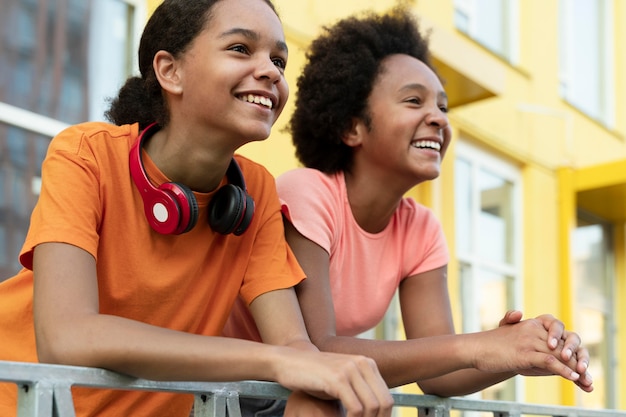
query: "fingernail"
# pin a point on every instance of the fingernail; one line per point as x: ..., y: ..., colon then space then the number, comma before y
x: 588, y: 376
x: 575, y: 375
x: 585, y: 365
x: 553, y: 342
x: 568, y: 353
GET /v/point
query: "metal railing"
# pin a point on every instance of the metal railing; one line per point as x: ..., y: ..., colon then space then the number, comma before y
x: 45, y: 391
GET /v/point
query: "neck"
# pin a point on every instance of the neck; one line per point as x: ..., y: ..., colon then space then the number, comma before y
x: 372, y: 204
x: 188, y: 160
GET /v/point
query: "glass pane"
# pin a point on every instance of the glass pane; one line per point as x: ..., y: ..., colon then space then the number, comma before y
x: 584, y: 65
x: 20, y: 172
x: 110, y: 53
x: 461, y: 21
x: 495, y: 222
x: 590, y: 252
x: 491, y: 27
x: 495, y: 297
x: 46, y: 66
x: 589, y: 255
x: 592, y: 328
x: 463, y: 205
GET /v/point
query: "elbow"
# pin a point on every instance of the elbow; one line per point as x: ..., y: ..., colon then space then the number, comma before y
x: 49, y: 351
x: 57, y: 347
x: 431, y: 387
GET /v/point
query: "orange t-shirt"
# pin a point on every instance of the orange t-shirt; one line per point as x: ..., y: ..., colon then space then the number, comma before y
x: 185, y: 282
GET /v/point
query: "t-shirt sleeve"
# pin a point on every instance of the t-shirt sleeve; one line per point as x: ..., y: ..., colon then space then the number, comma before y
x: 68, y: 209
x: 313, y: 209
x: 272, y: 265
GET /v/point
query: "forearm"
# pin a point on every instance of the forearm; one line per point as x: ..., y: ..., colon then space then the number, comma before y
x: 463, y: 382
x: 146, y: 351
x: 441, y: 365
x: 408, y: 361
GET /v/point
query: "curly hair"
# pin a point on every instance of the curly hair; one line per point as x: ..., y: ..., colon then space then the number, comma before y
x: 342, y: 65
x: 172, y: 27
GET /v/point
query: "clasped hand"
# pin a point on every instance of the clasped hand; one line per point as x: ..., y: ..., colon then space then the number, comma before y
x: 536, y: 347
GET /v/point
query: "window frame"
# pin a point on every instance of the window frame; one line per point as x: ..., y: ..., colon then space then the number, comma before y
x: 480, y: 159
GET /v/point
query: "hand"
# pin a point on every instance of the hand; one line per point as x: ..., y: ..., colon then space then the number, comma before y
x: 301, y: 404
x: 523, y: 347
x: 352, y: 379
x: 567, y: 344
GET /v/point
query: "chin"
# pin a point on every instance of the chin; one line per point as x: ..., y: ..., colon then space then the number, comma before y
x: 429, y: 176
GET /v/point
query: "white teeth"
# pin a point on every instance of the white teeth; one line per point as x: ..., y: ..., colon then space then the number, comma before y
x: 251, y: 98
x: 427, y: 144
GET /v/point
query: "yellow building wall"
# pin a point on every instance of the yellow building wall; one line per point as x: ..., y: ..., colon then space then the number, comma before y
x: 526, y: 123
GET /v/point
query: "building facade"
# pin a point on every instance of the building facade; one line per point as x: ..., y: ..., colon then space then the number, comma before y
x: 532, y: 195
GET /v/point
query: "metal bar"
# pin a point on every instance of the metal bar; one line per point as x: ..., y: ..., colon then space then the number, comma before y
x: 35, y: 400
x: 45, y: 391
x: 62, y: 401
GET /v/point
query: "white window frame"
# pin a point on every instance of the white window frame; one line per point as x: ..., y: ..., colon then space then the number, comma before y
x: 480, y: 159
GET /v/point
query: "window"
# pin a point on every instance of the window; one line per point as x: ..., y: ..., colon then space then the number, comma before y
x: 61, y: 61
x: 488, y: 242
x: 492, y: 23
x: 594, y: 306
x: 586, y: 63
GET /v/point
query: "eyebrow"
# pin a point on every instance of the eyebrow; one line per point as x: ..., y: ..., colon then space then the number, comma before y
x: 421, y: 87
x: 250, y: 34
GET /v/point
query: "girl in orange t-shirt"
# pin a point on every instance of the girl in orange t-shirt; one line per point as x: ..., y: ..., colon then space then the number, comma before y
x: 147, y: 231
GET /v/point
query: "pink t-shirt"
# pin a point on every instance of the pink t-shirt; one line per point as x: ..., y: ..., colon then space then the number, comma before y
x: 365, y: 268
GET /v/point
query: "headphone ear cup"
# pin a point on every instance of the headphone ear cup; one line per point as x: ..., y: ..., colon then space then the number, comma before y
x: 187, y: 204
x: 162, y: 210
x: 172, y: 207
x: 247, y: 215
x: 172, y: 210
x: 226, y: 209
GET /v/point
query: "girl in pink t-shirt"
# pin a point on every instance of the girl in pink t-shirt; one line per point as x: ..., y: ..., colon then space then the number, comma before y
x: 370, y: 122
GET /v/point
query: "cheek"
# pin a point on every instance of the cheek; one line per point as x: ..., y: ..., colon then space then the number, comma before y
x: 283, y: 92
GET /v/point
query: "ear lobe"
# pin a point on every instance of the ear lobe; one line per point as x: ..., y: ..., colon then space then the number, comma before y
x: 167, y: 73
x: 353, y: 136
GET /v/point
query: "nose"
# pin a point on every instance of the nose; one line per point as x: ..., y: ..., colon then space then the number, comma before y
x: 437, y: 117
x: 267, y: 69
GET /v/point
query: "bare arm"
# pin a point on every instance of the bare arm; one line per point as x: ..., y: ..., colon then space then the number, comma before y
x: 426, y: 312
x: 433, y: 355
x: 70, y: 330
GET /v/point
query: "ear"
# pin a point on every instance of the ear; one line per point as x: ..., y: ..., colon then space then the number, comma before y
x: 354, y: 135
x: 167, y: 72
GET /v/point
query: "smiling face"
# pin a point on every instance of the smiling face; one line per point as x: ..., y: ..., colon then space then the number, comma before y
x: 232, y: 75
x: 408, y: 131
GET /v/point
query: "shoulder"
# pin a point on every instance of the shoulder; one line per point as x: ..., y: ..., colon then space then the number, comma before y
x: 255, y: 175
x: 307, y: 180
x: 309, y: 196
x: 251, y: 168
x: 77, y: 138
x: 259, y: 183
x: 413, y: 213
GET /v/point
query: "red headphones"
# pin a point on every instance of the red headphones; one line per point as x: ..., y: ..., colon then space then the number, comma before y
x: 172, y: 208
